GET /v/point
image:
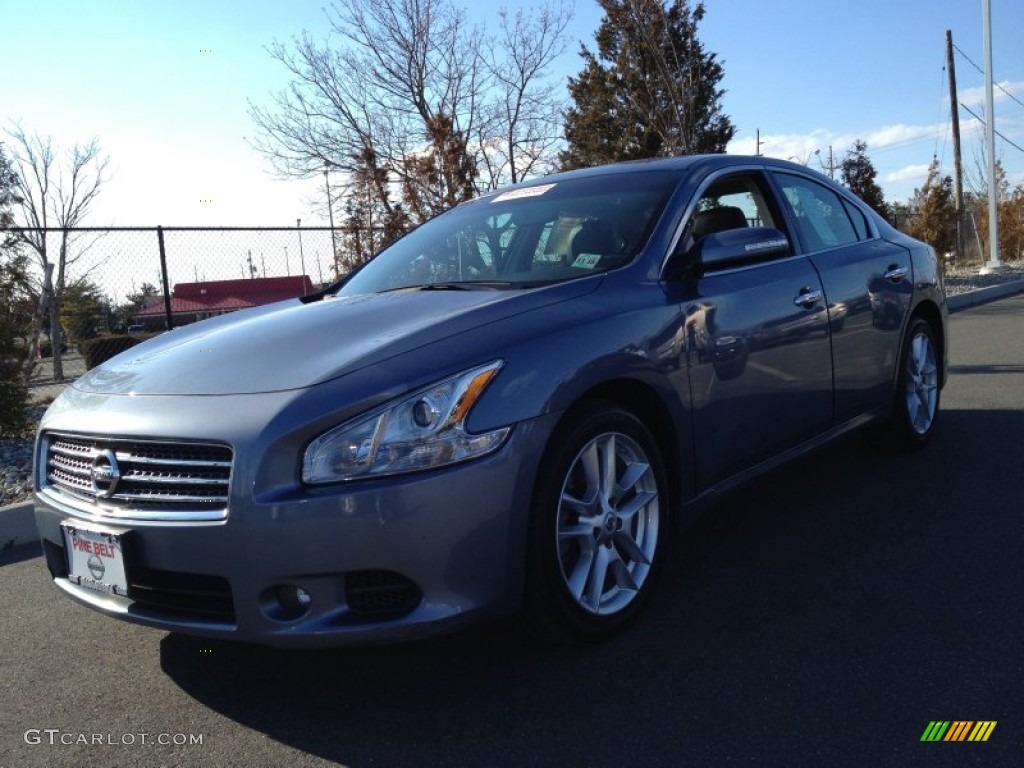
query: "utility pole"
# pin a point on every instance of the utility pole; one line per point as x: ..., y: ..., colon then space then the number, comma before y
x: 302, y: 256
x: 958, y: 172
x: 758, y: 150
x: 330, y: 214
x: 994, y: 264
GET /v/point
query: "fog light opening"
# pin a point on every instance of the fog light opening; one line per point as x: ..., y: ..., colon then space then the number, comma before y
x: 285, y: 602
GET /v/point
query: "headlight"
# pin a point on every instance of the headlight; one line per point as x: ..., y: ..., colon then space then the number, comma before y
x: 423, y: 430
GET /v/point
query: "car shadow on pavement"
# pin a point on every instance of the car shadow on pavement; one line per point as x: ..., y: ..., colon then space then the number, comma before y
x: 831, y: 609
x: 20, y: 553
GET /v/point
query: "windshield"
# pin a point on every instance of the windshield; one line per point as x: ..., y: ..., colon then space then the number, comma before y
x: 533, y: 235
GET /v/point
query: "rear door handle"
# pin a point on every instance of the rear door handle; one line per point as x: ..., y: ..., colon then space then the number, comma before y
x: 895, y: 273
x: 808, y: 298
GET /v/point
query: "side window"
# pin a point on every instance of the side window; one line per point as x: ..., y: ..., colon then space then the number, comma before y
x: 821, y: 216
x: 732, y: 202
x: 859, y: 222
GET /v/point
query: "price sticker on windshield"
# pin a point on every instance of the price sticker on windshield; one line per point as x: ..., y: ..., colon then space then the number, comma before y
x: 516, y: 194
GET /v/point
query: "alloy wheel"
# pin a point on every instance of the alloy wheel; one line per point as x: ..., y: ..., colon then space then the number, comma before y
x: 607, y: 524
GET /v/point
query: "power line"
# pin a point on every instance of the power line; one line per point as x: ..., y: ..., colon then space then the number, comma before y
x: 997, y: 85
x: 980, y: 120
x: 942, y: 88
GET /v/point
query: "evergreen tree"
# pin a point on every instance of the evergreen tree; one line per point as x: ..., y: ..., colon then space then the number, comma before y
x: 84, y: 311
x: 858, y: 174
x: 651, y: 90
x: 16, y: 303
x: 934, y: 220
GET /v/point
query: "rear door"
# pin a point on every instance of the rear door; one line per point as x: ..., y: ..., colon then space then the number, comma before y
x: 868, y: 284
x: 756, y: 339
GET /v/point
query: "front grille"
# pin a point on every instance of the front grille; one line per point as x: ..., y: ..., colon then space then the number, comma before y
x: 380, y: 594
x: 139, y: 479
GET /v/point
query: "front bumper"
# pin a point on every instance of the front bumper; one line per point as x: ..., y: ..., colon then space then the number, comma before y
x: 379, y: 561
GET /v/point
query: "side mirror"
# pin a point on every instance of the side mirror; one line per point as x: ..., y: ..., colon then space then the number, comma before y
x: 733, y: 247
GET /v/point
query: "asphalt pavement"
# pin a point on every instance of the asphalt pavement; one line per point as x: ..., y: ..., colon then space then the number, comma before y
x: 821, y: 616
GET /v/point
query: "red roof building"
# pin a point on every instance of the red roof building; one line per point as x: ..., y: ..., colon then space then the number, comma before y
x: 191, y: 302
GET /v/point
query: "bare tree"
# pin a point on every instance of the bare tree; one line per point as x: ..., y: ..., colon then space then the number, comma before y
x: 413, y: 104
x: 54, y: 193
x: 522, y: 122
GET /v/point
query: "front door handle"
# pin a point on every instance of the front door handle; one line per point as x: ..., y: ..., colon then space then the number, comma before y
x: 808, y: 298
x: 895, y: 273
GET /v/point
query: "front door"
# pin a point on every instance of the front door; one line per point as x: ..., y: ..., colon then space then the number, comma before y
x: 756, y: 340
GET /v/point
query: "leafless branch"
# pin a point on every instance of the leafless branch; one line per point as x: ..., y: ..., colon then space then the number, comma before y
x: 54, y: 194
x: 410, y: 102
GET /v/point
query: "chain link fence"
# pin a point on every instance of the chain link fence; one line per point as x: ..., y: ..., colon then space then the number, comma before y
x: 136, y: 281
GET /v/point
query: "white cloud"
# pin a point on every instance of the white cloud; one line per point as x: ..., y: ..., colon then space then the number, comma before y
x: 901, y: 135
x: 812, y: 148
x: 975, y: 97
x: 802, y: 148
x: 912, y: 173
x: 896, y: 151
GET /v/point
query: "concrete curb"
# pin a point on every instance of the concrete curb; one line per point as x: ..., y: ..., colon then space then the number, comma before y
x: 17, y: 525
x: 983, y: 295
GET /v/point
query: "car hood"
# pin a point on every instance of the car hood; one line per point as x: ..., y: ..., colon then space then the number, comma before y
x: 291, y: 344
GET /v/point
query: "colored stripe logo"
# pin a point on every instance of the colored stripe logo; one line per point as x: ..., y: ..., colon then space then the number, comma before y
x: 959, y: 730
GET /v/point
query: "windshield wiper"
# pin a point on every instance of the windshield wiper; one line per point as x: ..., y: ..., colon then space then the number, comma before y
x: 443, y: 287
x: 469, y: 285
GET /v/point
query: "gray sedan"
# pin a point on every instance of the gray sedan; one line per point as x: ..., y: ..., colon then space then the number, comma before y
x: 509, y: 409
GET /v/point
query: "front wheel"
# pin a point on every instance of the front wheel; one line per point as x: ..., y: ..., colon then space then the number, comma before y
x: 597, y: 525
x: 916, y: 404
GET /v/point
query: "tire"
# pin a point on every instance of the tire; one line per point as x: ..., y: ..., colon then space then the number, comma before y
x: 916, y: 400
x: 596, y: 527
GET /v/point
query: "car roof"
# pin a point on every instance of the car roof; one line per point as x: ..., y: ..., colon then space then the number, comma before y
x: 699, y: 164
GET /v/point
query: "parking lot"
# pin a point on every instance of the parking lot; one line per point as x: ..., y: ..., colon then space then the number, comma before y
x: 820, y: 616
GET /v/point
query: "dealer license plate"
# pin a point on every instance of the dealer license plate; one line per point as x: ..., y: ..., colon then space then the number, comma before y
x: 95, y: 559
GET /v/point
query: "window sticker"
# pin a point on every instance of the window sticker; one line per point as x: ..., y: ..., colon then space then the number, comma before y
x: 587, y: 260
x: 516, y: 194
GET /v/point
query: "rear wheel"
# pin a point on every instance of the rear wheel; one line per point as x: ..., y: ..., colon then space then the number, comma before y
x: 916, y: 405
x: 597, y: 525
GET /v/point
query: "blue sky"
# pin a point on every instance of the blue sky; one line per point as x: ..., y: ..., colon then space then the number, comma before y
x: 173, y: 118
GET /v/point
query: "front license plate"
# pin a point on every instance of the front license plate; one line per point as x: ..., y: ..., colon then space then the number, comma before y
x: 95, y: 559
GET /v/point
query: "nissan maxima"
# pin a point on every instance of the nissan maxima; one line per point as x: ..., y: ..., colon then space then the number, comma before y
x: 509, y: 410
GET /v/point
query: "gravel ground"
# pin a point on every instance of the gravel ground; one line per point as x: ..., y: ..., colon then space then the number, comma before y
x: 16, y: 463
x: 966, y: 278
x: 16, y: 453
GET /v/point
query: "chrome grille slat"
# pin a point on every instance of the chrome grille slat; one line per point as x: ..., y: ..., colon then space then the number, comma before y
x: 156, y: 480
x: 64, y: 450
x: 139, y: 477
x: 72, y: 468
x: 169, y: 497
x: 173, y: 462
